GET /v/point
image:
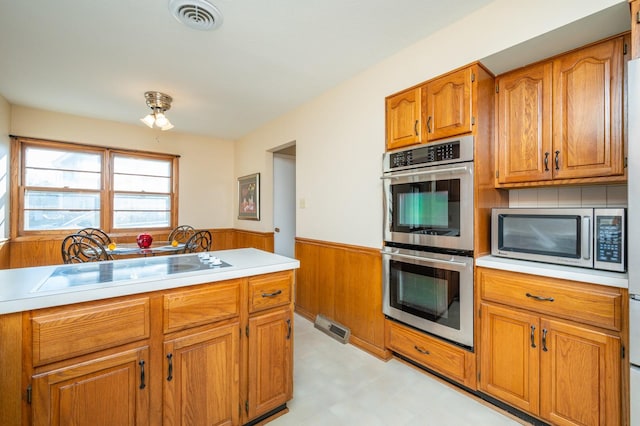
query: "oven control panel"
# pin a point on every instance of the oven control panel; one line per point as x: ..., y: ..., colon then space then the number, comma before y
x: 610, y: 233
x: 450, y: 151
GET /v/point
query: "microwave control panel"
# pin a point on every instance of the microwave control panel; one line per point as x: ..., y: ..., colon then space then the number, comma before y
x: 609, y: 241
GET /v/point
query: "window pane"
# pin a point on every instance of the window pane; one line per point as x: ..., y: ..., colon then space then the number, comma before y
x: 61, y: 200
x: 141, y: 219
x: 141, y: 202
x: 141, y: 183
x: 63, y: 160
x: 141, y: 166
x: 60, y: 219
x: 60, y: 210
x: 62, y: 179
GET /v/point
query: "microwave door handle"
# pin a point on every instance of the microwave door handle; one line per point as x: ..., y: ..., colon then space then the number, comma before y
x: 586, y: 238
x: 425, y: 259
x: 426, y: 172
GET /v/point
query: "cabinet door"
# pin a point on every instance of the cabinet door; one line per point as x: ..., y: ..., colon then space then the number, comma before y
x: 403, y: 118
x: 448, y: 105
x: 107, y: 391
x: 201, y: 383
x: 509, y: 357
x: 587, y: 111
x: 579, y: 375
x: 270, y: 361
x: 524, y: 125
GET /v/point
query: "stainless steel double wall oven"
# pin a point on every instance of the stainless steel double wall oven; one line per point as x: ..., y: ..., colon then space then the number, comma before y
x: 428, y: 233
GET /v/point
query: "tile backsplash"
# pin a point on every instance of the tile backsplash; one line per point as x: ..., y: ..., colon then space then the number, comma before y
x: 570, y: 196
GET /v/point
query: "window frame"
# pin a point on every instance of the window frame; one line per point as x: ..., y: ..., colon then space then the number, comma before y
x: 106, y: 191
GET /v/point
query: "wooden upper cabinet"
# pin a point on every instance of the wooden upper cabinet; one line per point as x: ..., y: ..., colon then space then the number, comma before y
x: 587, y: 111
x: 448, y: 107
x: 562, y: 119
x: 524, y: 124
x: 403, y: 112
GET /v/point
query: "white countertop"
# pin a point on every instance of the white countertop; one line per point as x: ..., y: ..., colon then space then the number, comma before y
x: 593, y: 276
x: 20, y: 287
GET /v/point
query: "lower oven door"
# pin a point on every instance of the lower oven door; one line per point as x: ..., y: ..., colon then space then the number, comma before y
x: 430, y: 291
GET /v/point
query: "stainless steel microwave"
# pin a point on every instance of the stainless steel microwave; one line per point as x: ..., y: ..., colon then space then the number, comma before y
x: 584, y: 237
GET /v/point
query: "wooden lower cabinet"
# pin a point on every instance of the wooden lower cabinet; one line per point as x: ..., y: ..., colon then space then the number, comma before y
x: 214, y: 354
x: 558, y: 369
x: 270, y: 361
x: 201, y: 385
x: 105, y: 391
x: 451, y: 361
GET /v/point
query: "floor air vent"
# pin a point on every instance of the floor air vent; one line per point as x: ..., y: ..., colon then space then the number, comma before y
x: 332, y: 328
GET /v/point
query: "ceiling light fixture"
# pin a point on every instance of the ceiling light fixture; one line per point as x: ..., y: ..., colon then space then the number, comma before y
x: 159, y: 104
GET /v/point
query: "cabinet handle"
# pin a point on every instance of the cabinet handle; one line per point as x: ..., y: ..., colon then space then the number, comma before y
x: 544, y: 339
x: 274, y: 294
x: 429, y: 124
x: 422, y: 351
x: 170, y: 368
x: 533, y: 336
x: 557, y: 160
x: 546, y: 161
x: 540, y: 298
x: 142, y: 384
x: 415, y: 127
x: 288, y: 329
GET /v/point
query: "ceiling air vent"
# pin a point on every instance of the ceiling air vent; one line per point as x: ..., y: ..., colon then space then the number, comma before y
x: 197, y: 14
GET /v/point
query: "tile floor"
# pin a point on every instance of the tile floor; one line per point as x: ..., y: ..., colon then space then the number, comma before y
x: 336, y: 384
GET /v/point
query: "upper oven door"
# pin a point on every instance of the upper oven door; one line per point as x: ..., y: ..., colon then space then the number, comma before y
x: 430, y: 206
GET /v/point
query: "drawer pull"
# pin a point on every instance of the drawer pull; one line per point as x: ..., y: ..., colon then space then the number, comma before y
x: 274, y: 294
x: 170, y: 372
x: 540, y: 298
x: 544, y: 339
x: 142, y: 383
x: 533, y: 336
x: 422, y: 351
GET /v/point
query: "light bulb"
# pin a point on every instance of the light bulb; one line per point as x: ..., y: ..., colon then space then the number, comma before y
x: 161, y: 120
x: 167, y: 126
x: 148, y: 120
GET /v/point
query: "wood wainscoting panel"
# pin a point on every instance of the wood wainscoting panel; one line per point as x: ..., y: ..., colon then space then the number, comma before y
x: 259, y: 240
x: 35, y: 252
x: 344, y: 283
x: 43, y: 251
x: 5, y: 259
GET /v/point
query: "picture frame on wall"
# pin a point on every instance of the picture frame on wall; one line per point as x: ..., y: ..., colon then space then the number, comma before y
x: 249, y: 197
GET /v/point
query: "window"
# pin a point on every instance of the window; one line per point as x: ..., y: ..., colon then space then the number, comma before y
x: 66, y: 186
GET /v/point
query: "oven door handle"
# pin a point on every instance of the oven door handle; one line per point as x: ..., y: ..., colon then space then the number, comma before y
x: 424, y: 259
x: 426, y: 172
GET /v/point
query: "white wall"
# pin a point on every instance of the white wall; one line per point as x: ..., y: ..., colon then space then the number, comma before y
x: 340, y: 135
x: 5, y: 118
x: 206, y: 178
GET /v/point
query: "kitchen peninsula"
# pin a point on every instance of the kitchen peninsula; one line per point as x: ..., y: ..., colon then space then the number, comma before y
x: 195, y: 338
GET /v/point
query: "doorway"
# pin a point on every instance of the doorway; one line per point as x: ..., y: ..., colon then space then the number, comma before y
x: 284, y: 201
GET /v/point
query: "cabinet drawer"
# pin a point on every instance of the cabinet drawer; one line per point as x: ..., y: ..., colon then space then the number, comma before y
x: 203, y: 305
x: 453, y: 362
x: 586, y: 303
x: 67, y: 332
x: 270, y: 290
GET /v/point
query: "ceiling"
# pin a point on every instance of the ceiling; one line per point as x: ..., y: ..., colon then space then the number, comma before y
x: 97, y: 58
